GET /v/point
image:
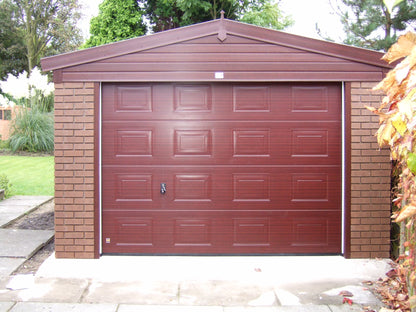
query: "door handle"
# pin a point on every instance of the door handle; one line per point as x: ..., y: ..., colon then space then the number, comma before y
x: 162, y: 188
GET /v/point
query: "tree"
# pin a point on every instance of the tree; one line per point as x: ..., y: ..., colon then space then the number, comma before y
x: 39, y: 28
x: 163, y: 14
x: 168, y: 14
x: 267, y: 15
x: 117, y: 20
x: 370, y: 24
x: 12, y: 48
x: 48, y: 27
x: 196, y: 11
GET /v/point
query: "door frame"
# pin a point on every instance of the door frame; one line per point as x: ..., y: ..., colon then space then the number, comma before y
x: 345, y: 168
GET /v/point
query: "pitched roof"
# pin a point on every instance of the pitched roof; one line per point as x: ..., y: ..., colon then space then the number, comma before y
x: 222, y: 28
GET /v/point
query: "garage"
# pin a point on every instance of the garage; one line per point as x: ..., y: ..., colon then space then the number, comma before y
x: 219, y: 138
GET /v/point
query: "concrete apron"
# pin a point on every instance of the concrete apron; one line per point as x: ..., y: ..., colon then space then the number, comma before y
x: 202, y: 281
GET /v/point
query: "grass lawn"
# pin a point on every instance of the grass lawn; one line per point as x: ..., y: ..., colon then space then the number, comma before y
x: 29, y: 175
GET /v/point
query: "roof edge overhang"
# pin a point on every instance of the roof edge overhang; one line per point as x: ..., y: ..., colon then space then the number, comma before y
x: 129, y: 46
x: 220, y: 27
x: 324, y: 47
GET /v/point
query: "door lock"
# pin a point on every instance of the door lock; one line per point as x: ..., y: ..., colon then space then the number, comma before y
x: 162, y: 188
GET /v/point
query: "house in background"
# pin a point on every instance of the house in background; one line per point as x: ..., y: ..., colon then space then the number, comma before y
x: 7, y: 115
x: 219, y: 138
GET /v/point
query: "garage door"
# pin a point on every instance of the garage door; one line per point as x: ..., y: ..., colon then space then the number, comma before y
x: 221, y: 168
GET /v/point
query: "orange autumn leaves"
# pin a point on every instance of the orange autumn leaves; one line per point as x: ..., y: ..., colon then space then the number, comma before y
x: 397, y: 114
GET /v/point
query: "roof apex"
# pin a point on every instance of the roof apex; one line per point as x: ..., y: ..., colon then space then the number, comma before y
x: 221, y: 27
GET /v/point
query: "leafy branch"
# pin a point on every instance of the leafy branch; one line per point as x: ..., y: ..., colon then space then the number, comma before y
x: 397, y: 131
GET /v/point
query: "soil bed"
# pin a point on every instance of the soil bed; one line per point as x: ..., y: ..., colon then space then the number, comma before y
x: 24, y: 153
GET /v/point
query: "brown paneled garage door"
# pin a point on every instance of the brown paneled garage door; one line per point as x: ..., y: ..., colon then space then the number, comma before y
x: 221, y: 168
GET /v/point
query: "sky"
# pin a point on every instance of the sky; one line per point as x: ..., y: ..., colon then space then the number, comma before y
x: 308, y: 13
x: 305, y: 13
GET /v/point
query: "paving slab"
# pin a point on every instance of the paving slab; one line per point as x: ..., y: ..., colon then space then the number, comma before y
x: 7, y: 295
x: 161, y: 308
x: 21, y: 281
x: 225, y: 293
x: 10, y: 213
x: 265, y: 270
x: 257, y: 282
x: 346, y: 308
x: 62, y: 307
x: 25, y: 200
x: 161, y: 292
x: 9, y: 265
x: 279, y: 309
x: 361, y: 295
x: 22, y: 243
x: 16, y: 206
x: 304, y: 308
x: 286, y: 298
x: 5, y: 306
x: 42, y: 290
x: 326, y: 292
x: 251, y: 309
x: 52, y: 290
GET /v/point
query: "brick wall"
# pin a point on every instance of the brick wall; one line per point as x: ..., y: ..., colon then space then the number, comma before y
x: 74, y: 170
x: 370, y: 178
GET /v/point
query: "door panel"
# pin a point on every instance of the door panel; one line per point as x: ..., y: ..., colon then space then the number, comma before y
x: 248, y: 168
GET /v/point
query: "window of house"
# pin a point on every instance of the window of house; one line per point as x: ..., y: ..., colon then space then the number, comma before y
x: 7, y: 114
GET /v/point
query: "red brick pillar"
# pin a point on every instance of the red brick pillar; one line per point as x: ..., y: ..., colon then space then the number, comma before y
x: 370, y: 178
x: 74, y: 170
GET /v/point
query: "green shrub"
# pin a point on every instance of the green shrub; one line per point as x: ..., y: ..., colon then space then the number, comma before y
x: 5, y: 185
x: 32, y: 131
x: 4, y: 145
x: 44, y: 103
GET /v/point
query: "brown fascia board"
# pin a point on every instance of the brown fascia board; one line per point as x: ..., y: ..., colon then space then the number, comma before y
x: 129, y: 46
x: 209, y: 28
x: 282, y: 38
